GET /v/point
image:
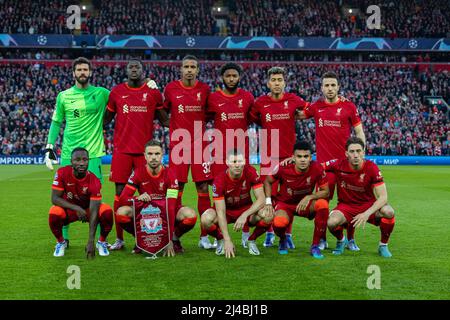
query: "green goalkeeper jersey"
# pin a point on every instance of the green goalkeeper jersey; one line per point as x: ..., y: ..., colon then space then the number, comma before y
x: 83, y: 110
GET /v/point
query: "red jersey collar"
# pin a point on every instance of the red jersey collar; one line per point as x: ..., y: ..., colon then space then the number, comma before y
x: 150, y: 172
x: 277, y: 100
x: 331, y: 104
x: 230, y: 95
x: 180, y: 82
x: 135, y: 89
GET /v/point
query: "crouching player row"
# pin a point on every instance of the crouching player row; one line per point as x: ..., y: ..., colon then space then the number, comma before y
x: 76, y: 197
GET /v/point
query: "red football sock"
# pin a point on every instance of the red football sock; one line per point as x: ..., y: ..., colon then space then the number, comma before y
x: 56, y: 223
x: 338, y: 232
x: 280, y: 225
x: 126, y: 223
x: 183, y: 226
x: 119, y: 230
x: 246, y: 228
x: 260, y: 228
x: 386, y: 227
x: 214, y: 231
x: 203, y: 204
x: 105, y: 218
x: 289, y: 227
x: 320, y: 220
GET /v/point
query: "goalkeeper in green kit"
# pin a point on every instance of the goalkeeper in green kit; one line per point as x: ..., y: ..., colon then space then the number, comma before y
x: 82, y: 107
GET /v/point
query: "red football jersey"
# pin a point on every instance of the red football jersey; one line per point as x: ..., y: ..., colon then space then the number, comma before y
x: 334, y: 124
x: 186, y: 105
x: 230, y: 112
x: 77, y: 191
x: 155, y: 186
x: 135, y: 110
x: 278, y: 114
x: 295, y: 185
x: 355, y: 187
x: 236, y: 192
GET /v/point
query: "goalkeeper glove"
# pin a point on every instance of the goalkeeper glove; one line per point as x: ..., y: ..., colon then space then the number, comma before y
x: 152, y: 84
x: 50, y: 156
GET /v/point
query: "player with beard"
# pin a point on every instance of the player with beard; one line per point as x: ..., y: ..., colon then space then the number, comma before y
x: 82, y: 107
x: 134, y: 105
x: 229, y: 108
x: 334, y: 117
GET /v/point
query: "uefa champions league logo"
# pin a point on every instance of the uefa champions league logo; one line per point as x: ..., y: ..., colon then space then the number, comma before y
x: 151, y: 221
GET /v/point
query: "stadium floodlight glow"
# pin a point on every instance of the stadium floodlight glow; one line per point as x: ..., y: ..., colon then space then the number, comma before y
x: 84, y: 7
x: 350, y: 10
x: 218, y: 9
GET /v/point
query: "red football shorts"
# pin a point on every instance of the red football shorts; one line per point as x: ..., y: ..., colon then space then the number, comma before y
x: 122, y: 165
x: 351, y: 211
x: 291, y: 210
x: 199, y: 171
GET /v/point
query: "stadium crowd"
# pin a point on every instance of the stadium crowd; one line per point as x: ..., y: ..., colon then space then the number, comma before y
x: 327, y: 18
x: 391, y: 104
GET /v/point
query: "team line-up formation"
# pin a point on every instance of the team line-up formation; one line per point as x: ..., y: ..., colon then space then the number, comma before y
x: 289, y: 183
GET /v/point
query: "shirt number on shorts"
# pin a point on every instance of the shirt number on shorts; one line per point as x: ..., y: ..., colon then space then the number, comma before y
x: 206, y: 167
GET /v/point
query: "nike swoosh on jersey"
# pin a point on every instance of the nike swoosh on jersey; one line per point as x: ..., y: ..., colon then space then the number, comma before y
x: 221, y: 104
x: 178, y: 97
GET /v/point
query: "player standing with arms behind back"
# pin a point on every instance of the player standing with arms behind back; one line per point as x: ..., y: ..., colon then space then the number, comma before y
x: 334, y: 119
x: 134, y: 105
x: 185, y: 99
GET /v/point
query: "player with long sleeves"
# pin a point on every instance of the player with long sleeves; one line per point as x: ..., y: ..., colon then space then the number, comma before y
x: 156, y: 183
x: 362, y: 197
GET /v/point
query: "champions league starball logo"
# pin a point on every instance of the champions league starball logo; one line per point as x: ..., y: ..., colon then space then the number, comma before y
x: 151, y: 221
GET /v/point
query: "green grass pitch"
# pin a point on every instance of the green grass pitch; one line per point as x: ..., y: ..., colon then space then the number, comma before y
x: 419, y: 268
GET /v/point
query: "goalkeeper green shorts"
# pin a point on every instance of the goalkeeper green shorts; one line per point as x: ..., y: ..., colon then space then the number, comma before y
x: 95, y: 166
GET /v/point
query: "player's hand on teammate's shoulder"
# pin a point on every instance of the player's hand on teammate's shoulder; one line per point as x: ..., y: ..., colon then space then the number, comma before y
x: 169, y: 251
x: 90, y: 250
x: 151, y: 83
x: 144, y: 197
x: 228, y: 247
x: 287, y: 161
x: 50, y: 156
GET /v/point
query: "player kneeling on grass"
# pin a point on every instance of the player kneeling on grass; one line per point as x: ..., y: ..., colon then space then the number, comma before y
x: 76, y: 196
x: 298, y: 181
x: 362, y: 197
x: 155, y: 183
x: 233, y: 203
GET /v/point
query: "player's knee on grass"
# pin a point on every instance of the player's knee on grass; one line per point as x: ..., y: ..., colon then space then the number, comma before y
x: 208, y: 218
